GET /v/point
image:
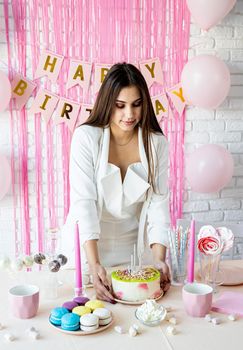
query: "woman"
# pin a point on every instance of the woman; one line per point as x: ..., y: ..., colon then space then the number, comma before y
x: 118, y: 179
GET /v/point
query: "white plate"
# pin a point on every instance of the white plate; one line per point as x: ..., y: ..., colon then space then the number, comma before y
x: 79, y: 332
x: 137, y: 302
x: 232, y: 272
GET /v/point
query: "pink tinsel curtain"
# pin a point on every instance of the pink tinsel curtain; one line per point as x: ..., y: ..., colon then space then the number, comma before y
x: 97, y: 31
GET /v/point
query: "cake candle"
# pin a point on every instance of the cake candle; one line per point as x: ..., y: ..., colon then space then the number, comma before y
x: 134, y: 256
x: 78, y: 268
x: 131, y: 263
x: 191, y: 256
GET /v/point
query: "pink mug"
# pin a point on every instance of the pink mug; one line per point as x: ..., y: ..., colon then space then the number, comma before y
x: 24, y: 300
x: 197, y: 298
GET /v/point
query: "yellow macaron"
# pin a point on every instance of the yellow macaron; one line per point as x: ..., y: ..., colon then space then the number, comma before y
x: 81, y: 310
x: 94, y: 304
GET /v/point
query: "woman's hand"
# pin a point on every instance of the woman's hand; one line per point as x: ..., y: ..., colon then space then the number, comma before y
x: 101, y: 283
x: 164, y: 274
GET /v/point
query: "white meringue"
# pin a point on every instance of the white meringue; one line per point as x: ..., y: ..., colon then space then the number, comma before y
x: 9, y: 337
x: 216, y: 321
x: 173, y: 320
x: 232, y: 317
x: 132, y: 332
x: 208, y: 318
x: 151, y: 311
x: 119, y: 329
x: 171, y: 330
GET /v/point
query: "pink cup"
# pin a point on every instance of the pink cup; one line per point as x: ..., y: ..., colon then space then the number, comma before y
x: 24, y: 300
x: 197, y: 298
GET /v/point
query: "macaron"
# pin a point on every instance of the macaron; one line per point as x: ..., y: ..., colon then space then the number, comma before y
x: 104, y: 316
x: 70, y: 322
x: 94, y: 304
x: 81, y: 310
x: 56, y: 315
x: 81, y: 300
x: 89, y: 322
x: 69, y: 305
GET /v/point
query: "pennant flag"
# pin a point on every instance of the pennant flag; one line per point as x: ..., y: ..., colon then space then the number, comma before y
x: 176, y: 95
x: 100, y: 73
x: 152, y: 71
x: 22, y: 88
x: 44, y: 103
x: 161, y: 107
x: 67, y: 112
x: 50, y: 65
x: 79, y: 73
x: 84, y: 113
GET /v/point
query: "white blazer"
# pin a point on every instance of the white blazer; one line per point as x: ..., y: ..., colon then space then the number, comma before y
x: 90, y: 186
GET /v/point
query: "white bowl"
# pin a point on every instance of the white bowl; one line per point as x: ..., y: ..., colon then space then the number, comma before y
x: 154, y: 322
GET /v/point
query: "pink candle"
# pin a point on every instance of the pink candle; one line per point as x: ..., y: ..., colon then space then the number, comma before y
x: 191, y: 254
x: 78, y: 268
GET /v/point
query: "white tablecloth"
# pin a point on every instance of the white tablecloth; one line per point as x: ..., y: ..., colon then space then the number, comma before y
x: 193, y: 333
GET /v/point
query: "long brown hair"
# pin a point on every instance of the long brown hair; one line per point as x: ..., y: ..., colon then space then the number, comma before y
x: 119, y: 76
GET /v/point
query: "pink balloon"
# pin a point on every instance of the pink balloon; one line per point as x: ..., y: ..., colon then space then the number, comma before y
x: 5, y: 176
x: 5, y: 91
x: 207, y: 13
x: 205, y: 80
x: 209, y: 168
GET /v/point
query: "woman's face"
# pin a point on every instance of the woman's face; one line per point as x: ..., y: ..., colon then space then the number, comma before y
x: 127, y: 111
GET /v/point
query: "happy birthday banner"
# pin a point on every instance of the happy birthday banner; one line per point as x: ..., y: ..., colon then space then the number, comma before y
x: 73, y: 113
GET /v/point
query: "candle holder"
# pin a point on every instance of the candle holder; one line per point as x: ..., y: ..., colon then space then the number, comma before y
x: 178, y: 246
x: 210, y: 270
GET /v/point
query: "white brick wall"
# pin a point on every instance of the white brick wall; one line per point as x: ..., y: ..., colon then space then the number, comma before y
x: 223, y: 126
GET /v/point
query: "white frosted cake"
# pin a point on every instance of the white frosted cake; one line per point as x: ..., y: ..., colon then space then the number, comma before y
x: 136, y: 286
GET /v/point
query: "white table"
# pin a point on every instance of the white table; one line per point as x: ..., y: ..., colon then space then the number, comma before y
x: 193, y: 333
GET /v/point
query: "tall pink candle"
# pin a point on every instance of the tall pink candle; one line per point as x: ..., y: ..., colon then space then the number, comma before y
x: 191, y: 254
x: 78, y: 268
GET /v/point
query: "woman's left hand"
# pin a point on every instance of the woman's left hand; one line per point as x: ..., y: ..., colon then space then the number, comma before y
x: 164, y: 274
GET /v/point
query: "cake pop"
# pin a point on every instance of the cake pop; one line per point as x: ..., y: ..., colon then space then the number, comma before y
x: 28, y: 260
x: 39, y: 258
x: 62, y: 259
x: 54, y: 266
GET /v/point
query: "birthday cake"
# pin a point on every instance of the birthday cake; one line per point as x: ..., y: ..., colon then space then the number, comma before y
x: 136, y: 286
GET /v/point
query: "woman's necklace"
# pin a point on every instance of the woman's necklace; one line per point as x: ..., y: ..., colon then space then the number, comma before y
x: 124, y: 144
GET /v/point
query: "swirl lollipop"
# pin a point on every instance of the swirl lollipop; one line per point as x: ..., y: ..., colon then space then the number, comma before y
x: 208, y: 231
x: 210, y: 245
x: 226, y: 236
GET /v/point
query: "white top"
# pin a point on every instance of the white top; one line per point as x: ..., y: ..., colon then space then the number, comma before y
x: 122, y: 207
x: 97, y: 194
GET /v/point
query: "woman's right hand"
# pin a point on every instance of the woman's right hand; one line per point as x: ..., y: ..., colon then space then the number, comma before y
x: 101, y: 283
